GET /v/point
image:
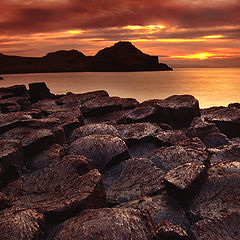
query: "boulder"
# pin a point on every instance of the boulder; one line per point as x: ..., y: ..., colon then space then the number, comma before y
x: 227, y: 119
x: 39, y: 91
x: 178, y: 110
x: 200, y: 128
x: 184, y: 181
x: 131, y: 180
x: 104, y: 150
x: 167, y: 158
x: 13, y: 104
x: 106, y: 224
x: 194, y: 143
x: 19, y: 223
x: 213, y: 140
x: 100, y: 105
x: 45, y: 158
x: 236, y: 105
x: 141, y: 114
x: 13, y: 91
x: 222, y: 228
x: 167, y: 230
x: 127, y: 103
x: 161, y: 207
x: 59, y: 191
x: 170, y: 137
x: 219, y: 195
x: 93, y: 129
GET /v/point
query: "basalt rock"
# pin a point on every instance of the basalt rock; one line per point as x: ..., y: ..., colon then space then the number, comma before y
x: 94, y: 129
x: 106, y: 224
x: 20, y: 223
x: 39, y: 91
x: 13, y: 91
x: 170, y: 137
x: 236, y: 105
x: 215, y: 140
x: 58, y: 191
x: 178, y: 110
x: 131, y: 180
x: 167, y: 158
x: 222, y: 228
x: 104, y: 150
x: 194, y: 143
x: 227, y: 119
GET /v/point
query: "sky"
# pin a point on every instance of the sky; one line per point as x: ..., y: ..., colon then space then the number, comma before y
x: 197, y: 33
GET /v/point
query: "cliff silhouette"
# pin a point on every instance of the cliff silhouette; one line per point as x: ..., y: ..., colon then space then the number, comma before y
x: 122, y: 57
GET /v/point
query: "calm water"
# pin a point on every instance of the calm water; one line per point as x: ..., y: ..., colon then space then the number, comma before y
x: 210, y: 86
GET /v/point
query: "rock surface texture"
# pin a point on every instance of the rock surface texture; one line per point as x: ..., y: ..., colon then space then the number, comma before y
x: 91, y: 166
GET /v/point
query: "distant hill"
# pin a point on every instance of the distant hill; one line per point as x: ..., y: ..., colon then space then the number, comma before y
x: 123, y: 56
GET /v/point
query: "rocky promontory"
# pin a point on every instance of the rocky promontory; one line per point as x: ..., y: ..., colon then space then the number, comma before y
x: 122, y: 57
x: 90, y: 166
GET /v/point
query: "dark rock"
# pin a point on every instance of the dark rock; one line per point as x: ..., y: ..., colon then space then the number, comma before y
x: 171, y: 137
x: 194, y: 143
x: 141, y: 114
x: 167, y: 230
x: 167, y: 158
x: 83, y: 97
x: 138, y: 132
x: 127, y: 103
x: 215, y: 140
x: 104, y: 150
x: 184, y: 181
x: 4, y: 201
x: 1, y: 78
x: 11, y: 120
x: 58, y: 191
x: 222, y: 228
x: 236, y: 105
x: 226, y: 154
x: 114, y: 118
x: 178, y: 110
x: 161, y: 207
x: 220, y: 194
x: 13, y: 104
x: 19, y: 223
x: 131, y: 180
x: 46, y: 106
x: 200, y: 128
x: 94, y: 129
x: 235, y: 141
x: 150, y: 103
x: 100, y: 105
x: 106, y: 224
x: 39, y: 91
x: 45, y: 158
x: 13, y: 91
x: 33, y: 141
x: 227, y: 119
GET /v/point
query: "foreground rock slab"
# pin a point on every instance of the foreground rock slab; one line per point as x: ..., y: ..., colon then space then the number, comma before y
x: 21, y: 224
x: 106, y: 224
x: 131, y: 180
x: 58, y: 191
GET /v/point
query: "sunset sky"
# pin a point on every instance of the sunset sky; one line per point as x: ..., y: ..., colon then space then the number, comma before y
x: 180, y: 32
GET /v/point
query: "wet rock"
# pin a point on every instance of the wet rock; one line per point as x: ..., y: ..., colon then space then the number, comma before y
x: 161, y: 207
x: 104, y: 150
x: 32, y: 141
x: 141, y: 114
x: 58, y: 191
x: 94, y: 129
x: 19, y: 223
x: 84, y: 97
x: 200, y: 128
x: 215, y: 140
x: 184, y: 181
x: 219, y: 194
x: 167, y: 230
x: 170, y: 137
x: 106, y: 224
x: 167, y: 158
x: 227, y: 119
x: 138, y: 132
x: 45, y: 158
x: 11, y: 120
x: 39, y: 91
x: 223, y: 228
x: 11, y: 157
x: 178, y: 110
x: 131, y: 180
x: 226, y: 154
x: 101, y: 105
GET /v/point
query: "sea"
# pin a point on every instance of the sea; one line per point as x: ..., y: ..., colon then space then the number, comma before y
x: 211, y: 86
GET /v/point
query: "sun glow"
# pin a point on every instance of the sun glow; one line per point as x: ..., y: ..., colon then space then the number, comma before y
x: 201, y: 56
x: 213, y: 36
x: 151, y: 28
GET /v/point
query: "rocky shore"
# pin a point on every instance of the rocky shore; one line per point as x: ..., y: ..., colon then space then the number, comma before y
x: 89, y: 166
